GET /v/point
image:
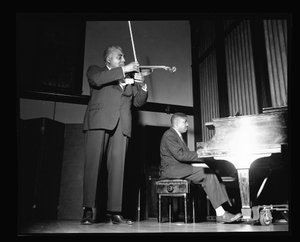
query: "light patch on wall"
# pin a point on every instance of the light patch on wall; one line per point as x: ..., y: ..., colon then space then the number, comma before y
x: 156, y: 43
x: 36, y: 109
x: 70, y: 113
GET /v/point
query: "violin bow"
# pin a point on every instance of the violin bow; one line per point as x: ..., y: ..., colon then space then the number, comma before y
x: 171, y: 69
x: 132, y: 42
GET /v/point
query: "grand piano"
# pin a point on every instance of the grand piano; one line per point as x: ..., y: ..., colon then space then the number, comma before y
x: 242, y: 140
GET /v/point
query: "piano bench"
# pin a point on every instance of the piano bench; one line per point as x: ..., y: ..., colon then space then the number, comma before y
x: 174, y: 188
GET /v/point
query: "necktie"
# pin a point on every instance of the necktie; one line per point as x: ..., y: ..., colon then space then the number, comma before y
x: 181, y: 138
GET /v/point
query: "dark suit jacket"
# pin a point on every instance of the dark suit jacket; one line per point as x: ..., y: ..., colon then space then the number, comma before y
x: 109, y: 102
x: 175, y: 156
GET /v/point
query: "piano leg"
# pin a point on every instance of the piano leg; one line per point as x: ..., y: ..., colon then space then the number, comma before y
x: 243, y: 175
x: 242, y: 163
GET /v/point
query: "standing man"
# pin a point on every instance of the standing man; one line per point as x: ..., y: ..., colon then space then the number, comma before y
x: 176, y: 161
x: 107, y: 128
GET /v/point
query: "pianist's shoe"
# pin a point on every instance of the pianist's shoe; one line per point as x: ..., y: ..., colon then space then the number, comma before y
x: 229, y: 218
x: 87, y: 218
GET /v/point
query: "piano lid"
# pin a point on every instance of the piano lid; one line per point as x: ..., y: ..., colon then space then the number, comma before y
x: 248, y: 134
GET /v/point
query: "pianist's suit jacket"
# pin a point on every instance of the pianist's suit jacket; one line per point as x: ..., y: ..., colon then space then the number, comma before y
x: 175, y: 156
x: 109, y: 103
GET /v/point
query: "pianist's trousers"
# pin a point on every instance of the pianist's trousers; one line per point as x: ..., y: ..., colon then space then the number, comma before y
x: 215, y: 190
x: 114, y: 143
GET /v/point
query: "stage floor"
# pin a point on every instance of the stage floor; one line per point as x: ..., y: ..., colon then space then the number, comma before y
x: 149, y: 226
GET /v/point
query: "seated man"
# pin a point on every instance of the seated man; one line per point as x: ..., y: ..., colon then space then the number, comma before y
x: 176, y: 159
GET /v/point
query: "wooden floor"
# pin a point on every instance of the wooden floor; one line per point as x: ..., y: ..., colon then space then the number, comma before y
x: 151, y: 226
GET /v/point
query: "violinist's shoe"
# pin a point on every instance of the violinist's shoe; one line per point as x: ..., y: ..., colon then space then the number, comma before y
x: 229, y: 218
x: 118, y: 219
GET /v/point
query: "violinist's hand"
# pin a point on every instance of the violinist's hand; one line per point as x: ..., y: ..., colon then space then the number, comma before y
x: 133, y: 66
x: 138, y: 77
x: 127, y: 81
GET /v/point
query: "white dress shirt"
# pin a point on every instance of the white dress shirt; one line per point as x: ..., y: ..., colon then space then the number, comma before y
x: 178, y: 134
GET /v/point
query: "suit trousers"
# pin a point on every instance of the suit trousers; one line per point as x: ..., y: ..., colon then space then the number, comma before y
x: 105, y: 146
x: 215, y: 190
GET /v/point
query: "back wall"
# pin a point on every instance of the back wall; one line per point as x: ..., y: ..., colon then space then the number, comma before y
x: 156, y: 43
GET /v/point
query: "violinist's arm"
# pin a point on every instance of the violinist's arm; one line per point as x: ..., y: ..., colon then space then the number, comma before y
x: 98, y: 76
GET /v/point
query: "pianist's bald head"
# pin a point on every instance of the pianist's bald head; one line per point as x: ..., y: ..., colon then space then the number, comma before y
x: 175, y: 116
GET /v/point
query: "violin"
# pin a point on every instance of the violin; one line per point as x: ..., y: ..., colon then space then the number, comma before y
x: 146, y: 70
